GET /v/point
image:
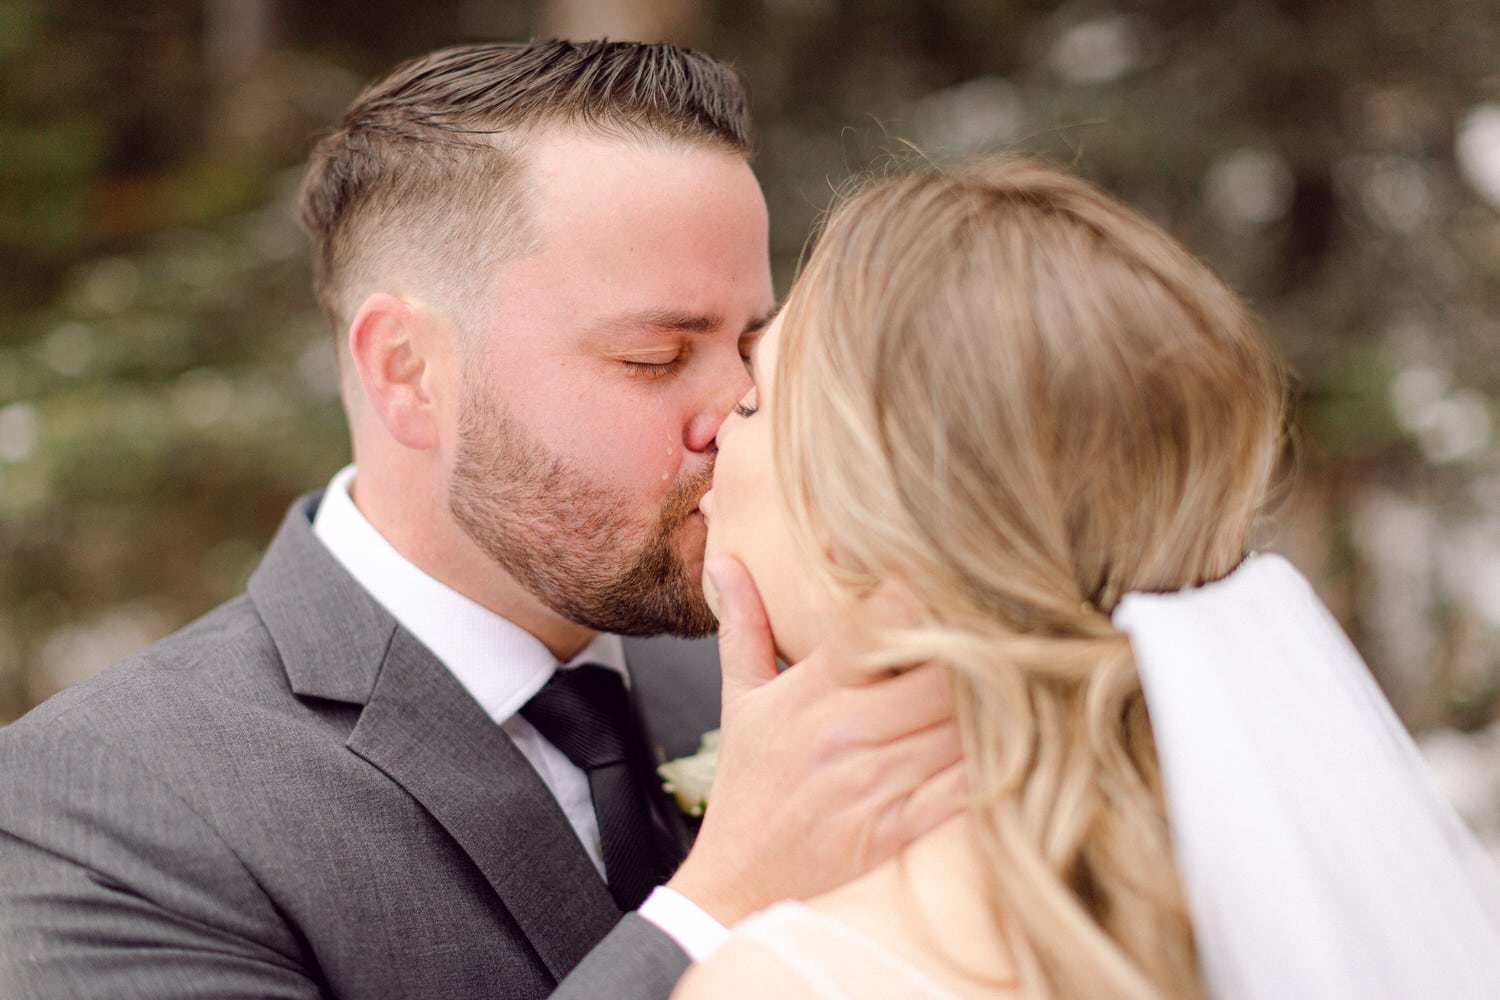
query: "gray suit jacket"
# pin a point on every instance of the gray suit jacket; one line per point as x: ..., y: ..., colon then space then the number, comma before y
x: 292, y: 797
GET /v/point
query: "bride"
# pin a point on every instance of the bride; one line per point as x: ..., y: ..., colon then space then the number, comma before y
x: 1052, y: 431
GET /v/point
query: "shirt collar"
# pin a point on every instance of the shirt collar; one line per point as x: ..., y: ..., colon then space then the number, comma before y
x: 499, y: 663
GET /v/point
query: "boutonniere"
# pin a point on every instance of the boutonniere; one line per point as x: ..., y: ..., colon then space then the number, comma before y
x: 689, y: 779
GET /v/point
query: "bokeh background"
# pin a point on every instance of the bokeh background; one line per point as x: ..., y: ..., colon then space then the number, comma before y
x: 166, y: 385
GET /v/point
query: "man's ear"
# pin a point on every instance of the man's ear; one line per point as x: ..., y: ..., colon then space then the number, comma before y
x: 392, y: 343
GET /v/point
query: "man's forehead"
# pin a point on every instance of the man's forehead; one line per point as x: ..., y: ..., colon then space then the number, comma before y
x: 633, y: 239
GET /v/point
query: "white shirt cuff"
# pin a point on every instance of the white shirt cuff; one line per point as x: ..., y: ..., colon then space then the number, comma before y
x: 685, y: 922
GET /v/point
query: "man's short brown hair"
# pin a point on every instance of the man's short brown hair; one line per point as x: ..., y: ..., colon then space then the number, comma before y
x: 424, y: 172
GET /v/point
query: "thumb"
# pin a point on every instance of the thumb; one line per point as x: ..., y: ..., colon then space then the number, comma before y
x: 747, y: 653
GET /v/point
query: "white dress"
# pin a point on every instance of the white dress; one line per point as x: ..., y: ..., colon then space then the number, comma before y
x: 836, y: 961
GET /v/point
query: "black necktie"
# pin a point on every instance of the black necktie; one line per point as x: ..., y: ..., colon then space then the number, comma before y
x: 585, y: 712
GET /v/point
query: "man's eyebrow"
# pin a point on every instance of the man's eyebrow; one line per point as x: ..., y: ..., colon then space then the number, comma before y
x: 668, y: 319
x: 680, y: 321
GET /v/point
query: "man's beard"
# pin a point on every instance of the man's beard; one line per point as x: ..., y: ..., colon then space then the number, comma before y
x: 568, y: 541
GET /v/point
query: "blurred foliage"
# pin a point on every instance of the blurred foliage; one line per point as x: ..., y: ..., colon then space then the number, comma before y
x: 166, y: 386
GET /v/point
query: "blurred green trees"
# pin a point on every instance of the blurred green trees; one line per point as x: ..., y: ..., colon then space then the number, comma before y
x: 166, y: 386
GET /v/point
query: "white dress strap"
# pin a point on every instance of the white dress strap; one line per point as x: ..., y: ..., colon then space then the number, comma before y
x: 836, y: 961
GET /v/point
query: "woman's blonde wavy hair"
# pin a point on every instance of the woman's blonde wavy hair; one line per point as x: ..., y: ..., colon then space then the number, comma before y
x: 1022, y: 400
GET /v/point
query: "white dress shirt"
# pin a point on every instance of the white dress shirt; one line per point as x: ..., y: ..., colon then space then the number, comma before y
x: 501, y: 665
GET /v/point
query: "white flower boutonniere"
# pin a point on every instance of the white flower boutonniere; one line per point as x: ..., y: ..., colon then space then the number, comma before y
x: 690, y: 779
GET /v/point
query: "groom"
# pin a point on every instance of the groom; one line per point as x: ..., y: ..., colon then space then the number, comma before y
x: 374, y: 774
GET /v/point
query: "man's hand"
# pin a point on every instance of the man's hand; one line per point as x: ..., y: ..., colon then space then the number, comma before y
x: 825, y: 770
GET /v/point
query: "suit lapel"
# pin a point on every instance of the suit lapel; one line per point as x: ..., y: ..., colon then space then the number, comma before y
x: 421, y: 729
x: 424, y: 732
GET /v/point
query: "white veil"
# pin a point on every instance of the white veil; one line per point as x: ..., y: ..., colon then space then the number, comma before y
x: 1318, y: 857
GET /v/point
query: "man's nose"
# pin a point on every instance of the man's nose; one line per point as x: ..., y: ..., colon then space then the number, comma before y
x: 726, y: 384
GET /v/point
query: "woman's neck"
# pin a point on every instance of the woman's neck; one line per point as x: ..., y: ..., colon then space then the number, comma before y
x: 933, y: 905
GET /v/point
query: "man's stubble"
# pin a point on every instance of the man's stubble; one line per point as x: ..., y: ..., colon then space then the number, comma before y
x: 570, y: 542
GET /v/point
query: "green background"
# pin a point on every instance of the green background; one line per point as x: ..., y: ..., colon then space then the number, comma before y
x: 166, y: 386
